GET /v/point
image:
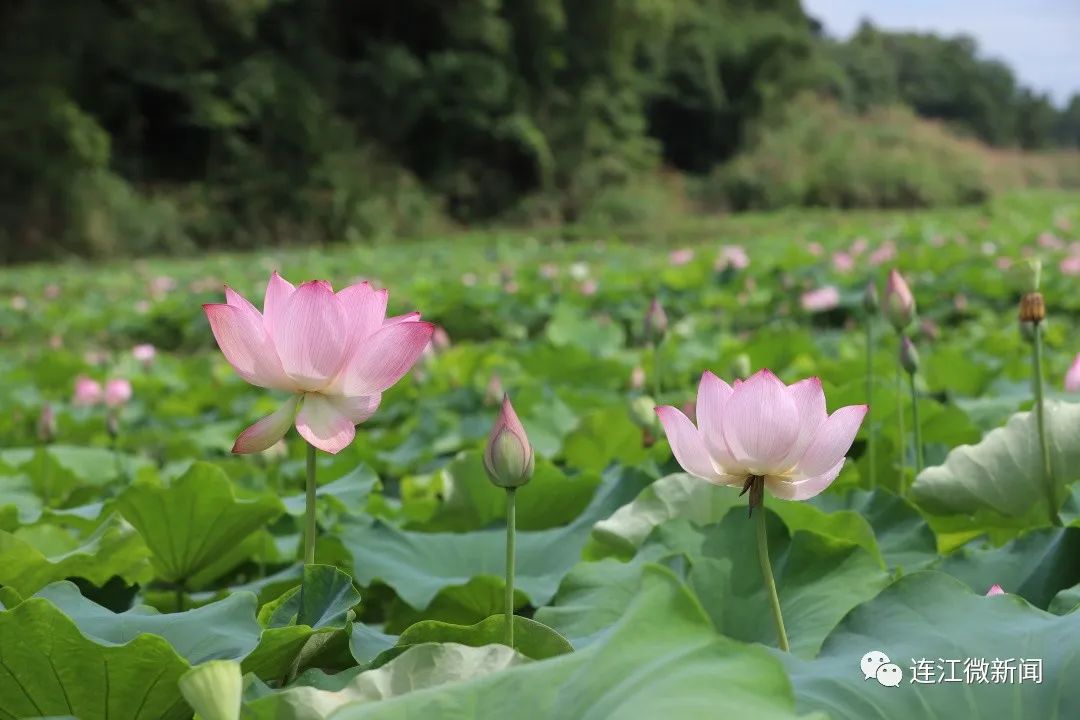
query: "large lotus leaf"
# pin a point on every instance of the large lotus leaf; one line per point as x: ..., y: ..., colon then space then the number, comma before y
x: 479, y: 598
x: 905, y: 540
x: 90, y: 465
x: 931, y: 616
x: 418, y: 565
x: 662, y: 659
x: 678, y: 495
x: 531, y: 638
x: 604, y: 436
x: 48, y: 667
x: 113, y: 549
x: 419, y: 667
x: 189, y: 524
x: 1066, y: 601
x: 1002, y: 474
x: 225, y: 629
x: 818, y: 578
x: 1036, y: 565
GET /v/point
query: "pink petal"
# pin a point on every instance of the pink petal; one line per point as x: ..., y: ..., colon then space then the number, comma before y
x: 761, y: 422
x: 267, y: 431
x: 358, y: 409
x: 384, y: 358
x: 688, y: 447
x: 311, y: 335
x: 243, y: 340
x: 712, y: 394
x: 995, y: 589
x: 407, y: 317
x: 832, y: 441
x: 1072, y: 377
x: 802, y: 488
x: 810, y: 400
x: 323, y: 425
x: 239, y: 301
x: 365, y: 307
x: 278, y: 292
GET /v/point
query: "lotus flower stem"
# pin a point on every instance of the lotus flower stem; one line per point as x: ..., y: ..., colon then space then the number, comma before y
x: 179, y: 597
x: 511, y: 530
x: 1040, y: 416
x: 309, y: 510
x: 770, y: 583
x: 656, y: 370
x: 915, y: 424
x: 871, y: 440
x: 900, y: 437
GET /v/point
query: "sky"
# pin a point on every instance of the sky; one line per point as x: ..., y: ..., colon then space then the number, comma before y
x: 1038, y: 39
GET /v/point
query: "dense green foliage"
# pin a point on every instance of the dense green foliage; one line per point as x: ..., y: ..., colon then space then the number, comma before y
x: 638, y: 594
x: 135, y: 126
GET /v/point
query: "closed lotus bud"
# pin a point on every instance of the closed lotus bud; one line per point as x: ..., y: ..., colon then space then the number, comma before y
x: 740, y: 366
x: 899, y: 302
x: 643, y: 411
x: 493, y: 391
x: 909, y: 356
x: 870, y: 299
x: 995, y: 589
x: 508, y: 457
x: 656, y: 322
x: 46, y: 427
x: 637, y: 378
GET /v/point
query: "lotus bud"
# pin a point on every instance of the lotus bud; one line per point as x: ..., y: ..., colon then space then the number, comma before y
x: 112, y: 425
x: 643, y: 411
x: 508, y: 457
x: 214, y: 689
x: 46, y: 426
x: 493, y: 391
x: 656, y: 322
x: 740, y: 366
x: 899, y: 302
x: 870, y: 300
x: 117, y: 392
x: 995, y: 589
x: 637, y: 378
x: 909, y: 356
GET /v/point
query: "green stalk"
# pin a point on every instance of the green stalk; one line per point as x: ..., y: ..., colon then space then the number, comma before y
x: 1040, y: 414
x: 511, y: 530
x: 656, y: 370
x: 901, y: 439
x: 309, y: 510
x: 871, y: 440
x: 179, y: 597
x: 770, y: 583
x: 915, y: 425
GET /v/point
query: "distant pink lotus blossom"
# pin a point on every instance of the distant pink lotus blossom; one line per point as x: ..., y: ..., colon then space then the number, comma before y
x: 162, y: 285
x: 588, y: 287
x: 637, y: 378
x: 988, y: 247
x: 335, y: 352
x: 549, y: 271
x: 144, y: 353
x: 815, y: 249
x: 843, y: 262
x: 820, y: 299
x: 1072, y: 377
x: 883, y: 254
x: 468, y: 279
x: 762, y: 427
x: 19, y: 303
x: 52, y: 291
x: 995, y: 589
x: 56, y: 341
x: 117, y: 392
x: 732, y: 256
x: 1003, y: 262
x: 87, y: 392
x: 511, y: 287
x: 1050, y: 241
x: 960, y: 302
x: 680, y: 257
x: 858, y: 246
x: 1070, y: 265
x: 937, y: 240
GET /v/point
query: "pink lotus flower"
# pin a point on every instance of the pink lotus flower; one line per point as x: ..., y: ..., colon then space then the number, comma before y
x: 144, y: 353
x: 995, y: 589
x: 680, y: 257
x: 1050, y: 241
x: 883, y: 254
x: 1072, y: 377
x: 899, y: 304
x: 335, y: 352
x: 821, y: 299
x: 117, y: 392
x: 859, y: 246
x: 87, y: 392
x: 843, y: 262
x: 815, y: 248
x: 732, y: 255
x: 1070, y: 265
x: 762, y: 427
x: 1003, y: 262
x: 588, y: 287
x: 637, y: 378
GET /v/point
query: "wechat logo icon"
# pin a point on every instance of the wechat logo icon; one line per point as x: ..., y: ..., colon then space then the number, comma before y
x: 875, y: 664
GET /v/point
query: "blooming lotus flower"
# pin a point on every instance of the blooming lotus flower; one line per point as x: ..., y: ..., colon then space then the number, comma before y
x: 995, y: 589
x: 117, y: 392
x: 1072, y: 377
x: 87, y: 392
x: 842, y: 261
x: 821, y: 299
x: 144, y: 353
x: 732, y: 256
x: 335, y: 352
x: 680, y: 257
x: 883, y: 254
x: 1070, y: 265
x: 762, y: 428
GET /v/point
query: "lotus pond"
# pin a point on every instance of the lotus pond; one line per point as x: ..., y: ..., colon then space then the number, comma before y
x: 147, y: 571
